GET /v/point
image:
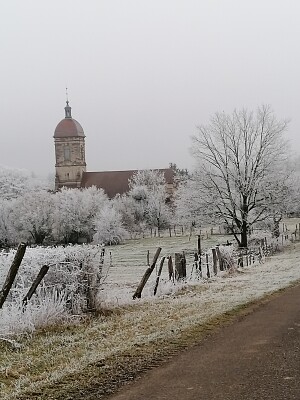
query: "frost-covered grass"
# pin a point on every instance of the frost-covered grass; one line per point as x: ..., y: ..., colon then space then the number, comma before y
x: 64, y: 291
x: 50, y: 357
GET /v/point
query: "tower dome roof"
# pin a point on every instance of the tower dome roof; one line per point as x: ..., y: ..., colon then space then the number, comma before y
x: 68, y: 127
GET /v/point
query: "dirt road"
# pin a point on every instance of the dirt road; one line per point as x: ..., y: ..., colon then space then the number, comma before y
x: 255, y: 358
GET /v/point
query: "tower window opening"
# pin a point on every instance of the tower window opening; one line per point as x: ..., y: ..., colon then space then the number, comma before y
x: 67, y: 153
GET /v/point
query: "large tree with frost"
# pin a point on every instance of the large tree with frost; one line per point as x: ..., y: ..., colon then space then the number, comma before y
x: 74, y: 213
x: 9, y: 236
x: 33, y: 215
x: 16, y: 182
x: 237, y: 155
x: 148, y: 190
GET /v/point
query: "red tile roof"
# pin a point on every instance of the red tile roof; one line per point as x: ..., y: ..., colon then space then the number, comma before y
x: 114, y: 182
x: 68, y: 127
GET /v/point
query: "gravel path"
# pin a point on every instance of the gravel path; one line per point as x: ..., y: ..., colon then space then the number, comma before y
x: 256, y: 357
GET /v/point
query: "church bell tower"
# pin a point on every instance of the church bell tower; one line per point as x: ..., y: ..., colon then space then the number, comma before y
x: 69, y: 142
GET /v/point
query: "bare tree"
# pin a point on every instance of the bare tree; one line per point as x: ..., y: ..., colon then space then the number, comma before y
x: 237, y: 156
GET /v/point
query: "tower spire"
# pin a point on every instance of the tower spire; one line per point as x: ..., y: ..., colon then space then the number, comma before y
x: 67, y: 108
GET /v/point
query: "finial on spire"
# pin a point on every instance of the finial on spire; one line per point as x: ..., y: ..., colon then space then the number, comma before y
x: 67, y: 108
x: 67, y: 96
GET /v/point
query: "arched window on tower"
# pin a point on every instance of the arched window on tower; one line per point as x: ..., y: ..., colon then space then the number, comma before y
x: 67, y: 153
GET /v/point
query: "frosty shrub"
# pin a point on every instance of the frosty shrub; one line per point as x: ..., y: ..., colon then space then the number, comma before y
x: 70, y: 287
x: 228, y: 256
x: 109, y: 227
x: 258, y: 235
x: 42, y: 312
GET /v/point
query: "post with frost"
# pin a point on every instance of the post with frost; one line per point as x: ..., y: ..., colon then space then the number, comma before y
x: 138, y: 292
x: 12, y: 273
x: 180, y: 266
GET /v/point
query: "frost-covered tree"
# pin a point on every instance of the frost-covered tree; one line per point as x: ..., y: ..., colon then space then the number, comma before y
x: 278, y: 197
x: 132, y: 213
x: 33, y: 215
x: 109, y: 227
x: 9, y: 236
x: 148, y: 190
x: 236, y: 155
x: 16, y: 182
x: 74, y: 213
x: 180, y: 174
x: 190, y: 210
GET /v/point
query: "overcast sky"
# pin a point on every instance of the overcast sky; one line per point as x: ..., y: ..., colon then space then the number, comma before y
x: 141, y: 74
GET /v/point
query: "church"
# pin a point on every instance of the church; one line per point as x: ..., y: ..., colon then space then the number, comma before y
x: 70, y: 166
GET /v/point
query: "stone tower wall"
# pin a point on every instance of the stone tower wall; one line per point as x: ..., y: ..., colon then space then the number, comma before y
x: 70, y: 161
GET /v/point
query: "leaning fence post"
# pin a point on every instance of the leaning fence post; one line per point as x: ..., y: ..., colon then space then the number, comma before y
x: 35, y: 284
x: 146, y: 276
x: 12, y: 273
x: 158, y: 275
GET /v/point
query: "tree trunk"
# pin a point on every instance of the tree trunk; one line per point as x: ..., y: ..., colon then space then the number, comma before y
x: 276, y: 230
x: 244, y: 236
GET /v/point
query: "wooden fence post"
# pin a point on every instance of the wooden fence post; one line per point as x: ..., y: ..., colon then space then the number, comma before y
x: 12, y: 272
x: 180, y: 266
x: 158, y: 275
x: 183, y: 264
x: 214, y: 255
x: 35, y: 284
x: 199, y: 244
x: 207, y: 266
x: 170, y: 268
x: 241, y: 260
x: 199, y: 250
x: 260, y: 254
x: 146, y: 276
x: 221, y: 264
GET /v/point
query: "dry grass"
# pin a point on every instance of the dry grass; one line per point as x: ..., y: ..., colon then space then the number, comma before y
x: 104, y: 375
